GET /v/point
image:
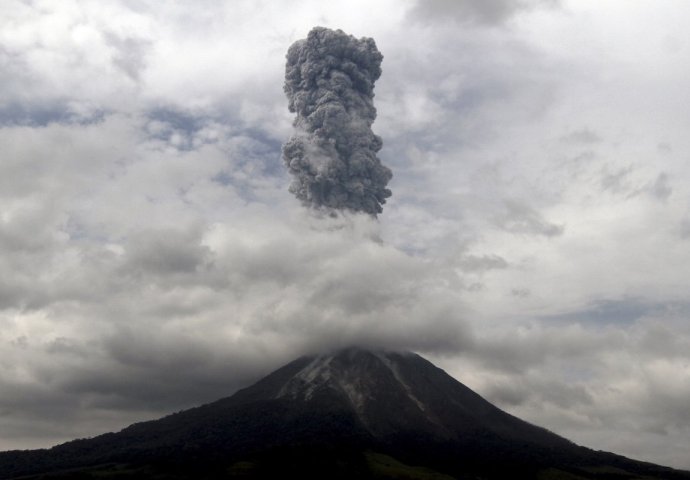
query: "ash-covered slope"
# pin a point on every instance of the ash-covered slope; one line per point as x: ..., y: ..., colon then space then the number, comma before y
x: 393, y: 394
x: 351, y: 414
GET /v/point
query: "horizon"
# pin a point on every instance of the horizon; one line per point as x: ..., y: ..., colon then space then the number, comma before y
x: 153, y: 256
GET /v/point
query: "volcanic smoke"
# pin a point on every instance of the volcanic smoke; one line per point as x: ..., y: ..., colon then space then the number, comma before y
x: 329, y: 82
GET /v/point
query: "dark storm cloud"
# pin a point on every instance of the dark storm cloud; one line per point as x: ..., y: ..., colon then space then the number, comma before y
x: 329, y: 81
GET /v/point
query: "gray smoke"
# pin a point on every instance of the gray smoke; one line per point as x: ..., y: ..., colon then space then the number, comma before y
x: 329, y: 82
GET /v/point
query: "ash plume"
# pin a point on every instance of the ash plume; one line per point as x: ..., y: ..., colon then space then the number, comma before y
x: 329, y: 82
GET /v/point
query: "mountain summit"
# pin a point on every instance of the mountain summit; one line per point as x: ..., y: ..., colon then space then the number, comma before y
x: 354, y: 413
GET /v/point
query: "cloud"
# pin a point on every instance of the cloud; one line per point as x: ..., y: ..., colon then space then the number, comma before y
x: 661, y: 189
x: 603, y: 312
x: 483, y: 12
x: 584, y: 136
x: 151, y: 257
x: 482, y: 263
x: 136, y: 283
x: 165, y: 253
x: 617, y: 182
x: 607, y: 375
x: 130, y: 54
x: 520, y: 218
x: 172, y: 328
x: 685, y: 228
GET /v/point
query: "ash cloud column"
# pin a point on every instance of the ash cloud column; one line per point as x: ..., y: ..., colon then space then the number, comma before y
x: 329, y: 82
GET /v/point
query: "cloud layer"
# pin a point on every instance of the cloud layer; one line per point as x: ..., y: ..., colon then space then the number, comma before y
x: 152, y: 259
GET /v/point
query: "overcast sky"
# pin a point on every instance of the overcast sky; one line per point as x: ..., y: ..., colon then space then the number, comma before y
x: 536, y: 245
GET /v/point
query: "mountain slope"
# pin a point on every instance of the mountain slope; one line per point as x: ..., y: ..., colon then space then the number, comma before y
x: 351, y: 414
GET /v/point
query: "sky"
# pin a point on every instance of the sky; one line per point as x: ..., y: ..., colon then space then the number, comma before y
x: 535, y: 245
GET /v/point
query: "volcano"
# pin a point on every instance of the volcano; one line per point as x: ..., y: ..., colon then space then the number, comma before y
x: 354, y: 413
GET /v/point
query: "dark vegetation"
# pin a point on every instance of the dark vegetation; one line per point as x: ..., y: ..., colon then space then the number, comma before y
x: 413, y: 422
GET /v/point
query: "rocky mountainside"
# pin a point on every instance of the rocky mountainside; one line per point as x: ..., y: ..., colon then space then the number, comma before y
x: 354, y: 413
